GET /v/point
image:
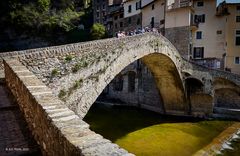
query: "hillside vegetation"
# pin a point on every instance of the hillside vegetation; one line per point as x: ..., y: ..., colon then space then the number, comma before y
x: 50, y: 21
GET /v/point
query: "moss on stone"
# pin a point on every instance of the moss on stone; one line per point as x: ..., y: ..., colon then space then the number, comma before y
x: 62, y: 93
x: 55, y: 72
x: 68, y: 58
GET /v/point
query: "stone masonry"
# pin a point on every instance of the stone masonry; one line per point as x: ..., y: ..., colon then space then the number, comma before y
x: 61, y: 83
x: 78, y: 73
x: 54, y: 126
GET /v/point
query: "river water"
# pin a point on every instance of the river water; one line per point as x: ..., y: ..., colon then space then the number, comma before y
x: 144, y: 132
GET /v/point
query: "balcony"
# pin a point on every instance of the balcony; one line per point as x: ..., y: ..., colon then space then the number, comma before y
x: 179, y: 4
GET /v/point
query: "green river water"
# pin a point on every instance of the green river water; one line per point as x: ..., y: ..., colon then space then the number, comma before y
x: 144, y: 132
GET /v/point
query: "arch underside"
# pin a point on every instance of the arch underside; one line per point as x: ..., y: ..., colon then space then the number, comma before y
x: 168, y: 82
x: 226, y: 94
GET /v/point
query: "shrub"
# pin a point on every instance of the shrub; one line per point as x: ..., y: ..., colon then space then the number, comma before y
x: 79, y: 65
x: 77, y: 84
x: 68, y: 58
x: 98, y: 31
x: 55, y: 72
x: 62, y: 93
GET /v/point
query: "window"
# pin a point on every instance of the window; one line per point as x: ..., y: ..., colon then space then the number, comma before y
x: 237, y: 18
x: 97, y: 14
x: 116, y: 26
x: 121, y: 15
x: 238, y: 8
x: 131, y: 81
x: 219, y: 32
x: 121, y: 24
x: 129, y: 9
x: 199, y: 18
x: 129, y: 20
x: 138, y: 21
x: 118, y: 83
x: 153, y: 6
x: 237, y: 42
x: 103, y: 7
x: 200, y: 3
x: 152, y: 22
x: 115, y: 17
x: 97, y: 7
x: 198, y: 35
x: 103, y: 13
x: 237, y: 60
x: 138, y: 5
x: 198, y: 52
x: 162, y: 21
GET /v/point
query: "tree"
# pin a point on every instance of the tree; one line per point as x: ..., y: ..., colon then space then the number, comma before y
x: 44, y: 4
x: 98, y: 31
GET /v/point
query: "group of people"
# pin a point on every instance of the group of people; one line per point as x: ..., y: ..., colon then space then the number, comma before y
x: 121, y: 34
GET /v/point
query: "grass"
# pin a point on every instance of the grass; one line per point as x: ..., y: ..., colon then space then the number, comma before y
x: 55, y: 72
x: 146, y: 133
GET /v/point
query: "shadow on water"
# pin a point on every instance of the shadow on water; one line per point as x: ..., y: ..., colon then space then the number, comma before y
x: 122, y: 120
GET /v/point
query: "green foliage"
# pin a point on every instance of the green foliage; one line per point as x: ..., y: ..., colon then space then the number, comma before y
x: 44, y: 4
x: 55, y: 72
x: 98, y: 31
x: 68, y: 58
x: 79, y: 65
x: 62, y: 93
x: 42, y: 17
x: 78, y: 84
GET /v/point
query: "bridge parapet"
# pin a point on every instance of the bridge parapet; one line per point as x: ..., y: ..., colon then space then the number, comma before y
x: 57, y: 129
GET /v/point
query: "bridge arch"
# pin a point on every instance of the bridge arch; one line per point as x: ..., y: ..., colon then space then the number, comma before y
x: 161, y: 58
x: 226, y: 93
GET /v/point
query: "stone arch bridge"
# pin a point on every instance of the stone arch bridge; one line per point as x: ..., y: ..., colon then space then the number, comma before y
x: 53, y: 84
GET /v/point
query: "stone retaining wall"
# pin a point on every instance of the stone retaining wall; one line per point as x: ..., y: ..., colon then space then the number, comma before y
x: 218, y: 143
x: 57, y: 129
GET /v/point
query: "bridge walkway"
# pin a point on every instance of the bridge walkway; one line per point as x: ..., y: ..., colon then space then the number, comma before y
x: 15, y: 138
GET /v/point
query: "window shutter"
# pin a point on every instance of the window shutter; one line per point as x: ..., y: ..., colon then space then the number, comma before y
x: 203, y: 18
x: 202, y: 52
x: 194, y: 52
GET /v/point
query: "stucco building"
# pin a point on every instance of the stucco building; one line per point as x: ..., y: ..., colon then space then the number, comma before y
x: 132, y: 14
x: 153, y: 14
x: 230, y: 12
x: 201, y: 31
x: 101, y: 10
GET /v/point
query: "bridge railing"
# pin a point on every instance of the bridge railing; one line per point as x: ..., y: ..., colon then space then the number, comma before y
x: 57, y: 129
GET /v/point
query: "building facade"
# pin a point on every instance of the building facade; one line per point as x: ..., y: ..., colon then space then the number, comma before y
x: 132, y: 15
x: 230, y: 12
x: 153, y: 14
x: 178, y: 25
x: 201, y: 34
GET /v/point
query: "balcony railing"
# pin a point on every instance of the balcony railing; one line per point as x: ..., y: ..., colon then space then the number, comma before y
x: 179, y: 4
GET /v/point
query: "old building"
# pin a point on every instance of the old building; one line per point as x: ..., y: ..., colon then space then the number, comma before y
x: 132, y: 14
x: 153, y: 14
x: 208, y: 40
x: 180, y: 24
x: 101, y: 9
x: 115, y: 19
x: 231, y: 14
